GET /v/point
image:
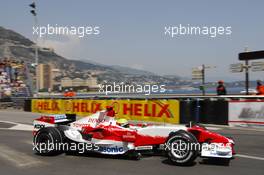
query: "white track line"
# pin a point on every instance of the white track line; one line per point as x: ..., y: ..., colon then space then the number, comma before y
x: 17, y: 158
x: 18, y: 126
x: 249, y: 157
x: 22, y: 127
x: 14, y: 123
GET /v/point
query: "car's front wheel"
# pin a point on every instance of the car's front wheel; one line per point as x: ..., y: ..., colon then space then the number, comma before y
x: 182, y: 147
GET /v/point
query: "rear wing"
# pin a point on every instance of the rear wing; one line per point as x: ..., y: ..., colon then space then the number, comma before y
x: 48, y: 120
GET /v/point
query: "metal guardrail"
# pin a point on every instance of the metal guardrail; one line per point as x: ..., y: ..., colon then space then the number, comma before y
x: 19, y: 102
x: 12, y: 102
x: 5, y: 105
x: 151, y: 96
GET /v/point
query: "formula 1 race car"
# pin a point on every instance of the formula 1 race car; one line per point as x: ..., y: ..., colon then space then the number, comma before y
x: 102, y: 133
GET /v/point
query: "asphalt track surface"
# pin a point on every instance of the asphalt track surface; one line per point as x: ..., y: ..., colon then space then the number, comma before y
x: 17, y: 157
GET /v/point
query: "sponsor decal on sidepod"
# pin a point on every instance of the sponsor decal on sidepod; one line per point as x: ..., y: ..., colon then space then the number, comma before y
x: 115, y: 149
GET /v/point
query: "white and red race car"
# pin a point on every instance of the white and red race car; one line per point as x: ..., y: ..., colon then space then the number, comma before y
x: 103, y: 134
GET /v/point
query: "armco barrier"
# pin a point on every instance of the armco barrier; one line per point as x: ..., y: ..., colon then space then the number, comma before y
x: 187, y: 111
x: 247, y: 113
x: 154, y: 110
x: 27, y: 105
x: 200, y: 109
x: 204, y: 111
x: 214, y: 112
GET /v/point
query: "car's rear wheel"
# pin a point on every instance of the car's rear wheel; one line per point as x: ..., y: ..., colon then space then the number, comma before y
x: 182, y: 147
x: 47, y: 141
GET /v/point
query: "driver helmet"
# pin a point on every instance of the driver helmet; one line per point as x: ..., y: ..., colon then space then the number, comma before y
x: 122, y: 122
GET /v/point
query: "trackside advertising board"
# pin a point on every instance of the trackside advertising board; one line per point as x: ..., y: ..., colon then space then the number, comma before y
x: 248, y: 113
x: 146, y: 110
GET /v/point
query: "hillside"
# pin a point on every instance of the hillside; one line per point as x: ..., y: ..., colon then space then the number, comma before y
x: 14, y: 45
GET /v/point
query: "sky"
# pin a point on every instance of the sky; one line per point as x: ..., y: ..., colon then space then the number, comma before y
x: 132, y: 32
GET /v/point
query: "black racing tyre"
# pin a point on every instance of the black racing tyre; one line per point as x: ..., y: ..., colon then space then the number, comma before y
x: 182, y: 147
x: 61, y: 129
x: 47, y: 141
